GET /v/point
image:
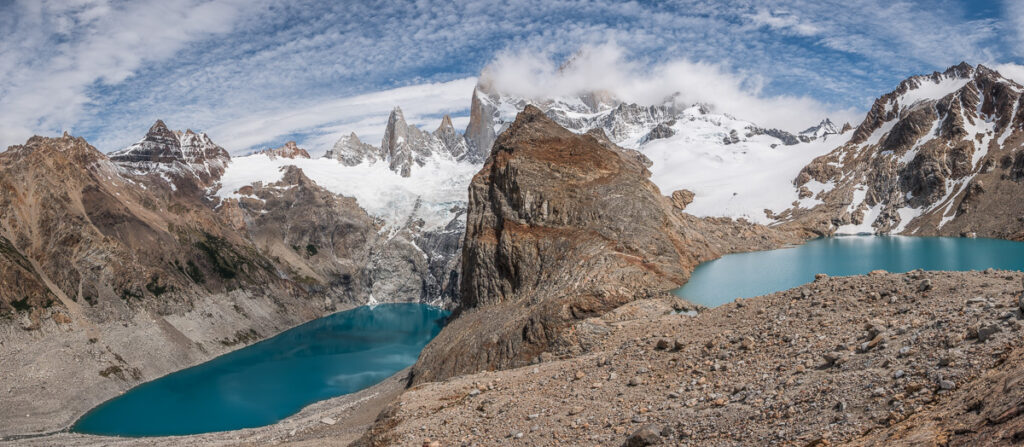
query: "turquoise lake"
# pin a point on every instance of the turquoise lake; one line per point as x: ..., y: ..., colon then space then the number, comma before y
x: 275, y: 378
x: 746, y: 275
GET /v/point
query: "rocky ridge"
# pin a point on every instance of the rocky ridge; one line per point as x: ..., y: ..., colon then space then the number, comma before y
x: 937, y: 156
x: 627, y: 124
x: 405, y: 145
x: 174, y: 156
x: 351, y: 151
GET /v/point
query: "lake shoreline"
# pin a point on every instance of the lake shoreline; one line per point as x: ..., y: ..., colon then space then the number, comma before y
x: 352, y: 414
x: 335, y: 355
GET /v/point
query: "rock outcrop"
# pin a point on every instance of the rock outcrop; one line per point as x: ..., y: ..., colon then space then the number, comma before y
x: 560, y: 227
x: 405, y: 145
x: 321, y: 240
x: 289, y: 150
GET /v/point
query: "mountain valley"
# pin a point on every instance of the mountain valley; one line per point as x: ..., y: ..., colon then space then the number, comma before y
x: 555, y: 230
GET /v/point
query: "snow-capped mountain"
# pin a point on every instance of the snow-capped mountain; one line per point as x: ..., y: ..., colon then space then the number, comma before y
x: 923, y: 156
x: 404, y: 145
x: 351, y: 151
x: 822, y: 130
x: 176, y: 153
x: 714, y: 155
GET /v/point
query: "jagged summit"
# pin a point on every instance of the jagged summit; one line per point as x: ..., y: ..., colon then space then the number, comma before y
x: 919, y: 91
x: 822, y: 129
x: 446, y: 124
x: 168, y: 152
x: 289, y: 150
x: 405, y: 145
x: 351, y: 151
x: 454, y: 143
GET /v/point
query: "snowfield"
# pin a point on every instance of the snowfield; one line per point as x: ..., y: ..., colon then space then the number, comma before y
x: 739, y: 180
x: 438, y: 186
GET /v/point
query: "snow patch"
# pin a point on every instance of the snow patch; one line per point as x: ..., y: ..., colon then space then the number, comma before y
x: 440, y: 185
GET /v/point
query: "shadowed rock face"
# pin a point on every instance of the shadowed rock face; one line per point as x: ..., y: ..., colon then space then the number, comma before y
x: 322, y: 240
x: 560, y: 227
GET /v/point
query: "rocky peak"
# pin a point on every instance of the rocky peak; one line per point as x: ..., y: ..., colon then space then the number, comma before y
x: 289, y: 150
x: 446, y: 125
x: 922, y: 156
x: 825, y: 127
x: 159, y: 145
x: 183, y: 154
x: 351, y: 151
x: 454, y: 143
x: 405, y: 145
x: 821, y: 130
x: 919, y: 91
x: 398, y: 143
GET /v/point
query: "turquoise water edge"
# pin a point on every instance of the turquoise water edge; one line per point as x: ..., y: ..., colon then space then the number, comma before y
x: 275, y: 378
x: 349, y: 351
x: 746, y: 275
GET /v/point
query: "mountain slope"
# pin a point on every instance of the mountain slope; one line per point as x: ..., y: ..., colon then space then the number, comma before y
x: 129, y: 270
x: 940, y: 155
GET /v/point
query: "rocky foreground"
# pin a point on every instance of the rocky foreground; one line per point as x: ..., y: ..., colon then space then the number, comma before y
x: 887, y: 359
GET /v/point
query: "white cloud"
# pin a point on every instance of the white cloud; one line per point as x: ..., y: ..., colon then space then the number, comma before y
x: 56, y: 50
x: 1011, y: 71
x: 366, y: 115
x: 784, y: 21
x: 105, y: 69
x: 606, y: 68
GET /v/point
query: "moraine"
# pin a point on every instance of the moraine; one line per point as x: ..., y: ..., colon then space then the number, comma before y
x: 747, y: 275
x: 275, y: 378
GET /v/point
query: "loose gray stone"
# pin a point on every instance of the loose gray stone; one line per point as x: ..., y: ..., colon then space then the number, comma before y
x: 645, y: 436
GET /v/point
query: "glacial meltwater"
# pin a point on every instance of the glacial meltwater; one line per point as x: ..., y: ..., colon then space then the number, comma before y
x: 746, y: 275
x: 273, y: 379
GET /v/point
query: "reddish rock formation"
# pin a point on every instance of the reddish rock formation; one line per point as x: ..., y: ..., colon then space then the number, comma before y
x: 560, y: 227
x: 289, y: 150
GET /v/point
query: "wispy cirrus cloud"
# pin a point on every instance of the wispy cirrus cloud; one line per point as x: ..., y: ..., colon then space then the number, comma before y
x: 608, y: 68
x: 105, y: 69
x: 320, y: 124
x: 55, y: 52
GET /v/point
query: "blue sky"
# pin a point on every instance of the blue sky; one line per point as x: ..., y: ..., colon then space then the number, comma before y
x: 255, y: 73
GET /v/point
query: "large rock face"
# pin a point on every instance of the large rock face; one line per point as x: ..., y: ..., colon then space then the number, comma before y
x: 560, y: 227
x: 322, y: 240
x: 939, y: 155
x: 405, y: 145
